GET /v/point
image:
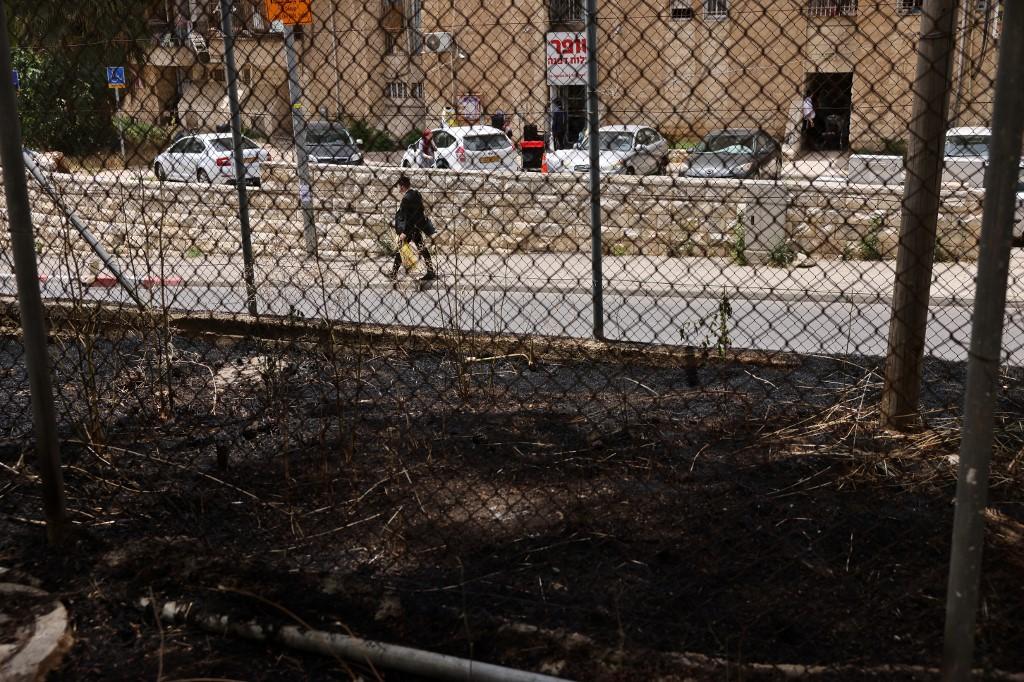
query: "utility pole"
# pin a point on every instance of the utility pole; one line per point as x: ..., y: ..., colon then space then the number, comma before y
x: 299, y: 133
x: 986, y: 343
x: 597, y: 290
x: 30, y: 302
x: 231, y: 71
x: 921, y: 195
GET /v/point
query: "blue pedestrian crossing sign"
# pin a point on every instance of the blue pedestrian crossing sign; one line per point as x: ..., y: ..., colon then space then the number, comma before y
x: 115, y: 77
x: 16, y: 79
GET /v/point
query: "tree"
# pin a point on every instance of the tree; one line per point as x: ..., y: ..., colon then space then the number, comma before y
x: 61, y: 50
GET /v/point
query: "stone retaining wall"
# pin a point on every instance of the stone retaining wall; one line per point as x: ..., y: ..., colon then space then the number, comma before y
x: 510, y: 212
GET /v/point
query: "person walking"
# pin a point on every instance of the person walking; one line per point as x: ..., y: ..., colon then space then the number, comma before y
x: 411, y: 224
x: 425, y: 150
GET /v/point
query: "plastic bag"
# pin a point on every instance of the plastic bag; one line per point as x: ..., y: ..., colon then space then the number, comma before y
x: 408, y: 253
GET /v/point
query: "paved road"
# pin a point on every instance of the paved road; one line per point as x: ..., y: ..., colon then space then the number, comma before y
x: 822, y: 327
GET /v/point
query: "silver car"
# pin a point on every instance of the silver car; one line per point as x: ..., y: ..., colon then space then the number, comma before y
x: 626, y: 149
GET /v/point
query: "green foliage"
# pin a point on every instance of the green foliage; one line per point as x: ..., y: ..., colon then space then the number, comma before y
x: 374, y: 140
x: 686, y: 143
x: 619, y: 249
x: 142, y: 133
x: 710, y: 331
x: 870, y: 244
x: 409, y: 138
x: 62, y: 49
x: 782, y: 255
x: 193, y: 252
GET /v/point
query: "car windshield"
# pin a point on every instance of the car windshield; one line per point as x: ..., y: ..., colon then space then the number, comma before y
x: 726, y: 143
x: 967, y: 145
x: 611, y: 141
x: 227, y: 144
x: 328, y: 136
x: 486, y: 143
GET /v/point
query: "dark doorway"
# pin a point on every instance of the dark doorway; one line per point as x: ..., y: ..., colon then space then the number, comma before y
x: 574, y: 99
x: 832, y: 94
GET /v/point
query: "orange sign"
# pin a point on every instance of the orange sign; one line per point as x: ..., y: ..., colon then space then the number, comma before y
x: 290, y: 11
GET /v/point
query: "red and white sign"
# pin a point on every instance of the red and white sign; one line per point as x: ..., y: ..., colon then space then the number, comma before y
x: 566, y: 58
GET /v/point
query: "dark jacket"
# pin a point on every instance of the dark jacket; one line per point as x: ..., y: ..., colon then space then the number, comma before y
x: 410, y: 219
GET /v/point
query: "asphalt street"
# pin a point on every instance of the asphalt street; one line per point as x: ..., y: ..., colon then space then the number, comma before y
x: 810, y: 327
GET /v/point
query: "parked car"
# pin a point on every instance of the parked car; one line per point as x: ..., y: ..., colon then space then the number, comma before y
x: 628, y: 149
x: 209, y: 158
x: 469, y: 148
x: 966, y: 159
x: 333, y: 144
x: 735, y: 153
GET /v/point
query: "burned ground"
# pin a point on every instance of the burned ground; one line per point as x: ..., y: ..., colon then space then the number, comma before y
x: 593, y: 520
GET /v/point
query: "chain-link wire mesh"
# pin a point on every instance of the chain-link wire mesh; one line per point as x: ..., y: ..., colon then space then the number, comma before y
x: 264, y: 410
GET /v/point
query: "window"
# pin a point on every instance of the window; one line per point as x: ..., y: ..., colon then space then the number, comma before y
x: 396, y: 90
x: 415, y: 26
x: 909, y: 6
x: 443, y: 140
x: 416, y: 90
x: 195, y: 147
x: 644, y: 137
x: 227, y: 144
x: 180, y: 147
x: 832, y: 8
x: 716, y: 9
x: 681, y: 11
x: 566, y: 11
x: 486, y: 143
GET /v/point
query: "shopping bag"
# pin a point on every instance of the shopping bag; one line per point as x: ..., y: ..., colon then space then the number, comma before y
x: 408, y: 253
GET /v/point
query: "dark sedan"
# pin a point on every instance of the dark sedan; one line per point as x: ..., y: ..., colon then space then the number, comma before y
x: 735, y: 153
x: 331, y: 143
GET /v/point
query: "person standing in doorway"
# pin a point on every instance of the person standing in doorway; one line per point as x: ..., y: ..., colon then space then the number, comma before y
x: 808, y: 114
x: 558, y: 121
x: 425, y: 150
x: 411, y: 224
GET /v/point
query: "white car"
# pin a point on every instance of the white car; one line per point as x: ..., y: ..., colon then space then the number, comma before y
x: 628, y: 149
x: 966, y: 158
x: 468, y: 148
x: 209, y: 158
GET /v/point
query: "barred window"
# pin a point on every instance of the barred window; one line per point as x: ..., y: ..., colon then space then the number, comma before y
x: 716, y: 9
x: 832, y: 8
x: 416, y: 90
x: 909, y: 6
x: 396, y: 90
x: 681, y: 11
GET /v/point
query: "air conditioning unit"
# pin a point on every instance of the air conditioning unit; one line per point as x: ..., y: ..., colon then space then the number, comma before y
x: 438, y: 42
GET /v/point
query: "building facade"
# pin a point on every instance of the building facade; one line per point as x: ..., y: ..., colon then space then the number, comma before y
x: 683, y: 66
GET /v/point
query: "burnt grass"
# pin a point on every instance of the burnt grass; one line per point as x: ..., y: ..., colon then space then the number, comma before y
x: 589, y: 519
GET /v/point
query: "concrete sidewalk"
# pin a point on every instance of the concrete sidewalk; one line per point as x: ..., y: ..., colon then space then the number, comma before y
x: 858, y: 281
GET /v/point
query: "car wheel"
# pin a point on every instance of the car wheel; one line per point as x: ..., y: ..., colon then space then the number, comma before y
x: 158, y: 171
x: 630, y: 170
x: 442, y: 164
x: 663, y: 166
x: 201, y: 176
x: 405, y: 164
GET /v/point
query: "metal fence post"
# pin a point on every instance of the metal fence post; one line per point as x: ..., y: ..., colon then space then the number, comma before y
x: 911, y: 293
x: 236, y: 136
x: 986, y: 343
x: 597, y: 291
x: 299, y: 134
x: 37, y: 361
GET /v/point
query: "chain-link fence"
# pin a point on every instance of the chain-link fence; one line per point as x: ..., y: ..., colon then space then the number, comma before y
x: 535, y: 333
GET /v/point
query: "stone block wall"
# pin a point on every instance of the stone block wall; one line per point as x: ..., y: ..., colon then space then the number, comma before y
x: 504, y: 213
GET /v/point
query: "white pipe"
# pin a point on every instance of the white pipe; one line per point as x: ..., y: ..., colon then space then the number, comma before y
x: 405, y: 659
